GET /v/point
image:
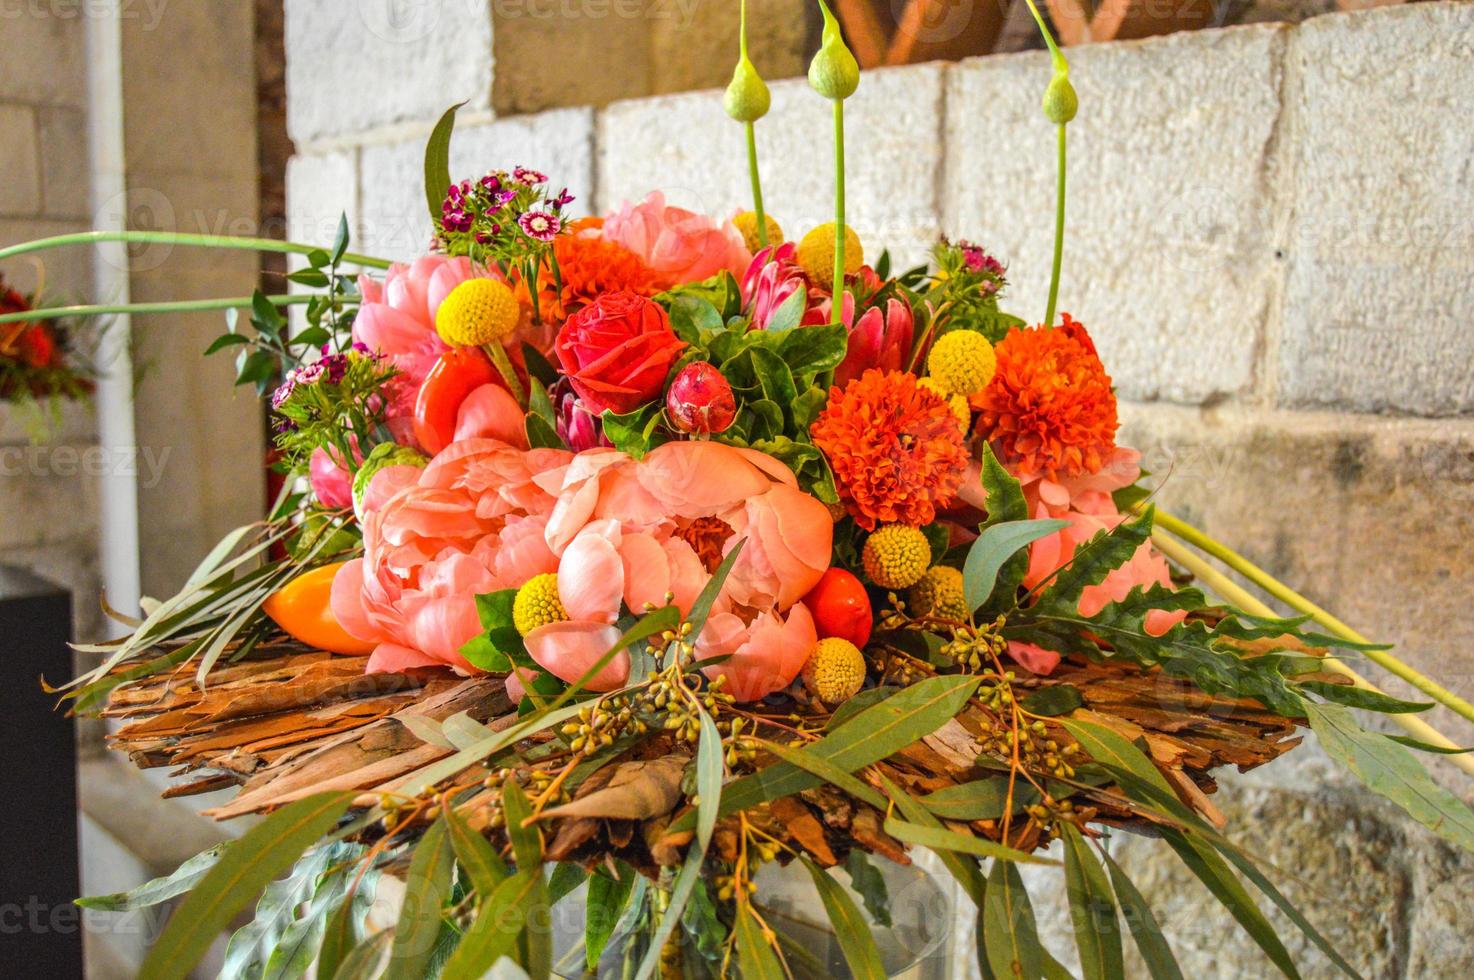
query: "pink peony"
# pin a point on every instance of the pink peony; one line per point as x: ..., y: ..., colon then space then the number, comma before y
x: 470, y: 523
x: 680, y: 246
x: 331, y: 482
x: 630, y: 532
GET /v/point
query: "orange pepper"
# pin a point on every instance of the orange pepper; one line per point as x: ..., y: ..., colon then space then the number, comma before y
x: 301, y: 607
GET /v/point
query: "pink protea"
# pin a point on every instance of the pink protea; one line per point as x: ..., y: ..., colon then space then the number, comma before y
x: 880, y: 338
x: 772, y: 277
x: 680, y: 246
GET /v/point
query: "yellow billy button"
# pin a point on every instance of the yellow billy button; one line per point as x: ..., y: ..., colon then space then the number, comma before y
x: 939, y: 594
x: 896, y: 556
x: 478, y: 312
x: 816, y: 254
x: 962, y: 362
x: 957, y: 403
x: 537, y: 604
x: 835, y: 671
x: 746, y: 223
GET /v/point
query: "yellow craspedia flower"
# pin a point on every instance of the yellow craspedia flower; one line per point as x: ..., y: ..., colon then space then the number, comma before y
x: 939, y: 593
x: 746, y: 222
x: 962, y: 362
x: 537, y: 604
x: 957, y: 403
x: 816, y: 254
x: 896, y: 556
x: 835, y: 670
x: 478, y: 311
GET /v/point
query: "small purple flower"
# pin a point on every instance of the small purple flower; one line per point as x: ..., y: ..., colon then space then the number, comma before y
x: 502, y: 197
x: 334, y: 367
x: 491, y: 182
x: 483, y: 238
x: 309, y: 374
x: 283, y: 392
x: 563, y: 199
x: 529, y: 177
x: 539, y: 225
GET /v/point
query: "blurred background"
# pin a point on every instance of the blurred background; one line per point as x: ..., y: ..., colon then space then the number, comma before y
x: 1270, y: 230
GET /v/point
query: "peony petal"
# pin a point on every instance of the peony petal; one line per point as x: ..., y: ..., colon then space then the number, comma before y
x: 591, y: 575
x: 567, y: 650
x: 490, y: 412
x: 391, y: 658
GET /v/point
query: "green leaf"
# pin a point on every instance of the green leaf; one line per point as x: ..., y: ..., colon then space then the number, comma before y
x: 1005, y: 504
x: 363, y: 962
x: 710, y: 768
x: 566, y: 877
x: 266, y: 317
x: 811, y: 351
x: 827, y: 772
x: 340, y: 240
x: 498, y: 923
x: 964, y: 869
x: 941, y: 839
x: 484, y: 866
x: 300, y: 942
x: 1053, y: 701
x: 1391, y: 770
x: 680, y: 894
x: 538, y: 365
x: 253, y: 946
x: 869, y: 884
x: 527, y: 842
x: 701, y: 608
x: 437, y: 162
x: 1360, y: 697
x: 311, y: 278
x: 858, y: 703
x: 756, y: 959
x: 183, y: 878
x: 1092, y: 910
x: 1010, y: 939
x: 1421, y: 746
x: 264, y: 852
x: 527, y: 849
x: 344, y: 929
x: 426, y: 888
x: 631, y: 433
x: 1093, y: 561
x: 607, y: 897
x: 873, y: 734
x: 1220, y: 880
x: 851, y: 928
x: 981, y: 799
x: 225, y: 340
x: 789, y: 313
x: 993, y: 548
x: 694, y: 317
x: 1110, y: 748
x: 1150, y: 942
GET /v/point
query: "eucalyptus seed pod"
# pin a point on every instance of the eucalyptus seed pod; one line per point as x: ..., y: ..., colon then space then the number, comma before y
x: 834, y: 73
x: 1060, y: 101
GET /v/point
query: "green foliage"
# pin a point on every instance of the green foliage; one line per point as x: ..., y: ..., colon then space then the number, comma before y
x: 239, y: 875
x: 966, y: 298
x: 608, y: 894
x: 1057, y: 699
x: 437, y: 161
x: 427, y: 886
x: 1010, y: 945
x: 869, y: 884
x: 850, y: 927
x: 1150, y: 942
x: 1092, y: 910
x: 994, y: 547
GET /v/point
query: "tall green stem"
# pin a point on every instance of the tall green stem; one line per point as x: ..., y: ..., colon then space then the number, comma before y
x: 187, y: 239
x: 1298, y: 602
x: 836, y: 296
x: 1059, y: 231
x: 176, y: 306
x: 757, y: 186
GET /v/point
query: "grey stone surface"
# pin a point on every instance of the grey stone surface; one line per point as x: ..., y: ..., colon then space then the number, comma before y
x: 688, y: 147
x: 64, y: 178
x: 20, y: 161
x: 393, y: 219
x: 356, y: 66
x: 43, y: 58
x: 1169, y: 254
x: 1377, y: 304
x: 321, y: 188
x: 695, y: 48
x: 1440, y: 941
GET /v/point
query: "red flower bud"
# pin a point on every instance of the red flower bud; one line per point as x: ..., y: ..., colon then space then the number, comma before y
x: 700, y: 400
x: 841, y: 607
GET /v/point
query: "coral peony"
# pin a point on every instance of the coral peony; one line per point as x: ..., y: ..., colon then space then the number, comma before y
x: 679, y: 245
x: 617, y: 351
x: 1049, y: 408
x: 896, y: 449
x: 330, y: 480
x: 635, y: 532
x: 471, y: 522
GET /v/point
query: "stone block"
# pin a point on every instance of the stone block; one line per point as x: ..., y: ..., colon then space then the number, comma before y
x: 64, y: 164
x: 572, y: 54
x: 1377, y: 305
x: 44, y: 56
x: 20, y: 162
x: 66, y: 273
x: 1169, y: 254
x: 320, y: 189
x: 686, y: 146
x: 352, y: 67
x: 695, y: 48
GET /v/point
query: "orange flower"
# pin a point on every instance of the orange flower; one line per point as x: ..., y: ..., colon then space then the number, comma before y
x: 896, y: 449
x: 1049, y: 409
x: 590, y: 265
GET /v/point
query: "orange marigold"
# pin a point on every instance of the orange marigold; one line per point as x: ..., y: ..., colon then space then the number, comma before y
x: 1049, y: 409
x: 589, y: 266
x: 896, y: 449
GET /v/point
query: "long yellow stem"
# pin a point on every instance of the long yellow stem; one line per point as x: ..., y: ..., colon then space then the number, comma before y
x: 1230, y: 591
x: 1298, y: 602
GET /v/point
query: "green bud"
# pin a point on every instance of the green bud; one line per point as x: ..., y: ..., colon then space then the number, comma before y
x: 834, y: 73
x: 747, y: 98
x: 1060, y: 101
x: 382, y: 455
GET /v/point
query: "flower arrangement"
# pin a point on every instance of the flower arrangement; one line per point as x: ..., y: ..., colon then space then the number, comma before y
x: 40, y: 360
x: 659, y: 548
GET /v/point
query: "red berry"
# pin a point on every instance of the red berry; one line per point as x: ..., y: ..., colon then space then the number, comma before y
x: 700, y: 400
x: 840, y: 607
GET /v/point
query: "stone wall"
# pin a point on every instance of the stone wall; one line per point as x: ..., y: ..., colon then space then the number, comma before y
x: 1269, y: 237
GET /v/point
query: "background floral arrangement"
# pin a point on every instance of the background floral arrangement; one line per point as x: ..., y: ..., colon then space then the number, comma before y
x: 40, y: 360
x: 723, y: 549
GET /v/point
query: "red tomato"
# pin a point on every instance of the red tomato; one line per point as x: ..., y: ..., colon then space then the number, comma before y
x: 840, y: 607
x: 455, y: 375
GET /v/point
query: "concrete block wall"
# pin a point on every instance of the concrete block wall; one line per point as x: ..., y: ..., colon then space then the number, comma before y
x: 1269, y: 235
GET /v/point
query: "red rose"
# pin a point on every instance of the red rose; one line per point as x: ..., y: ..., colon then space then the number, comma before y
x: 36, y: 346
x: 617, y: 351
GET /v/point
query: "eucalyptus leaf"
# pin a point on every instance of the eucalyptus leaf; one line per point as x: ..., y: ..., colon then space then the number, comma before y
x: 941, y: 839
x: 427, y: 885
x: 994, y: 547
x: 1092, y: 909
x: 964, y: 869
x: 710, y: 769
x: 494, y: 931
x: 1053, y: 701
x: 756, y: 957
x: 607, y: 897
x: 870, y: 885
x: 980, y: 799
x: 1010, y: 937
x: 850, y: 927
x: 437, y: 162
x: 1150, y: 941
x: 159, y: 890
